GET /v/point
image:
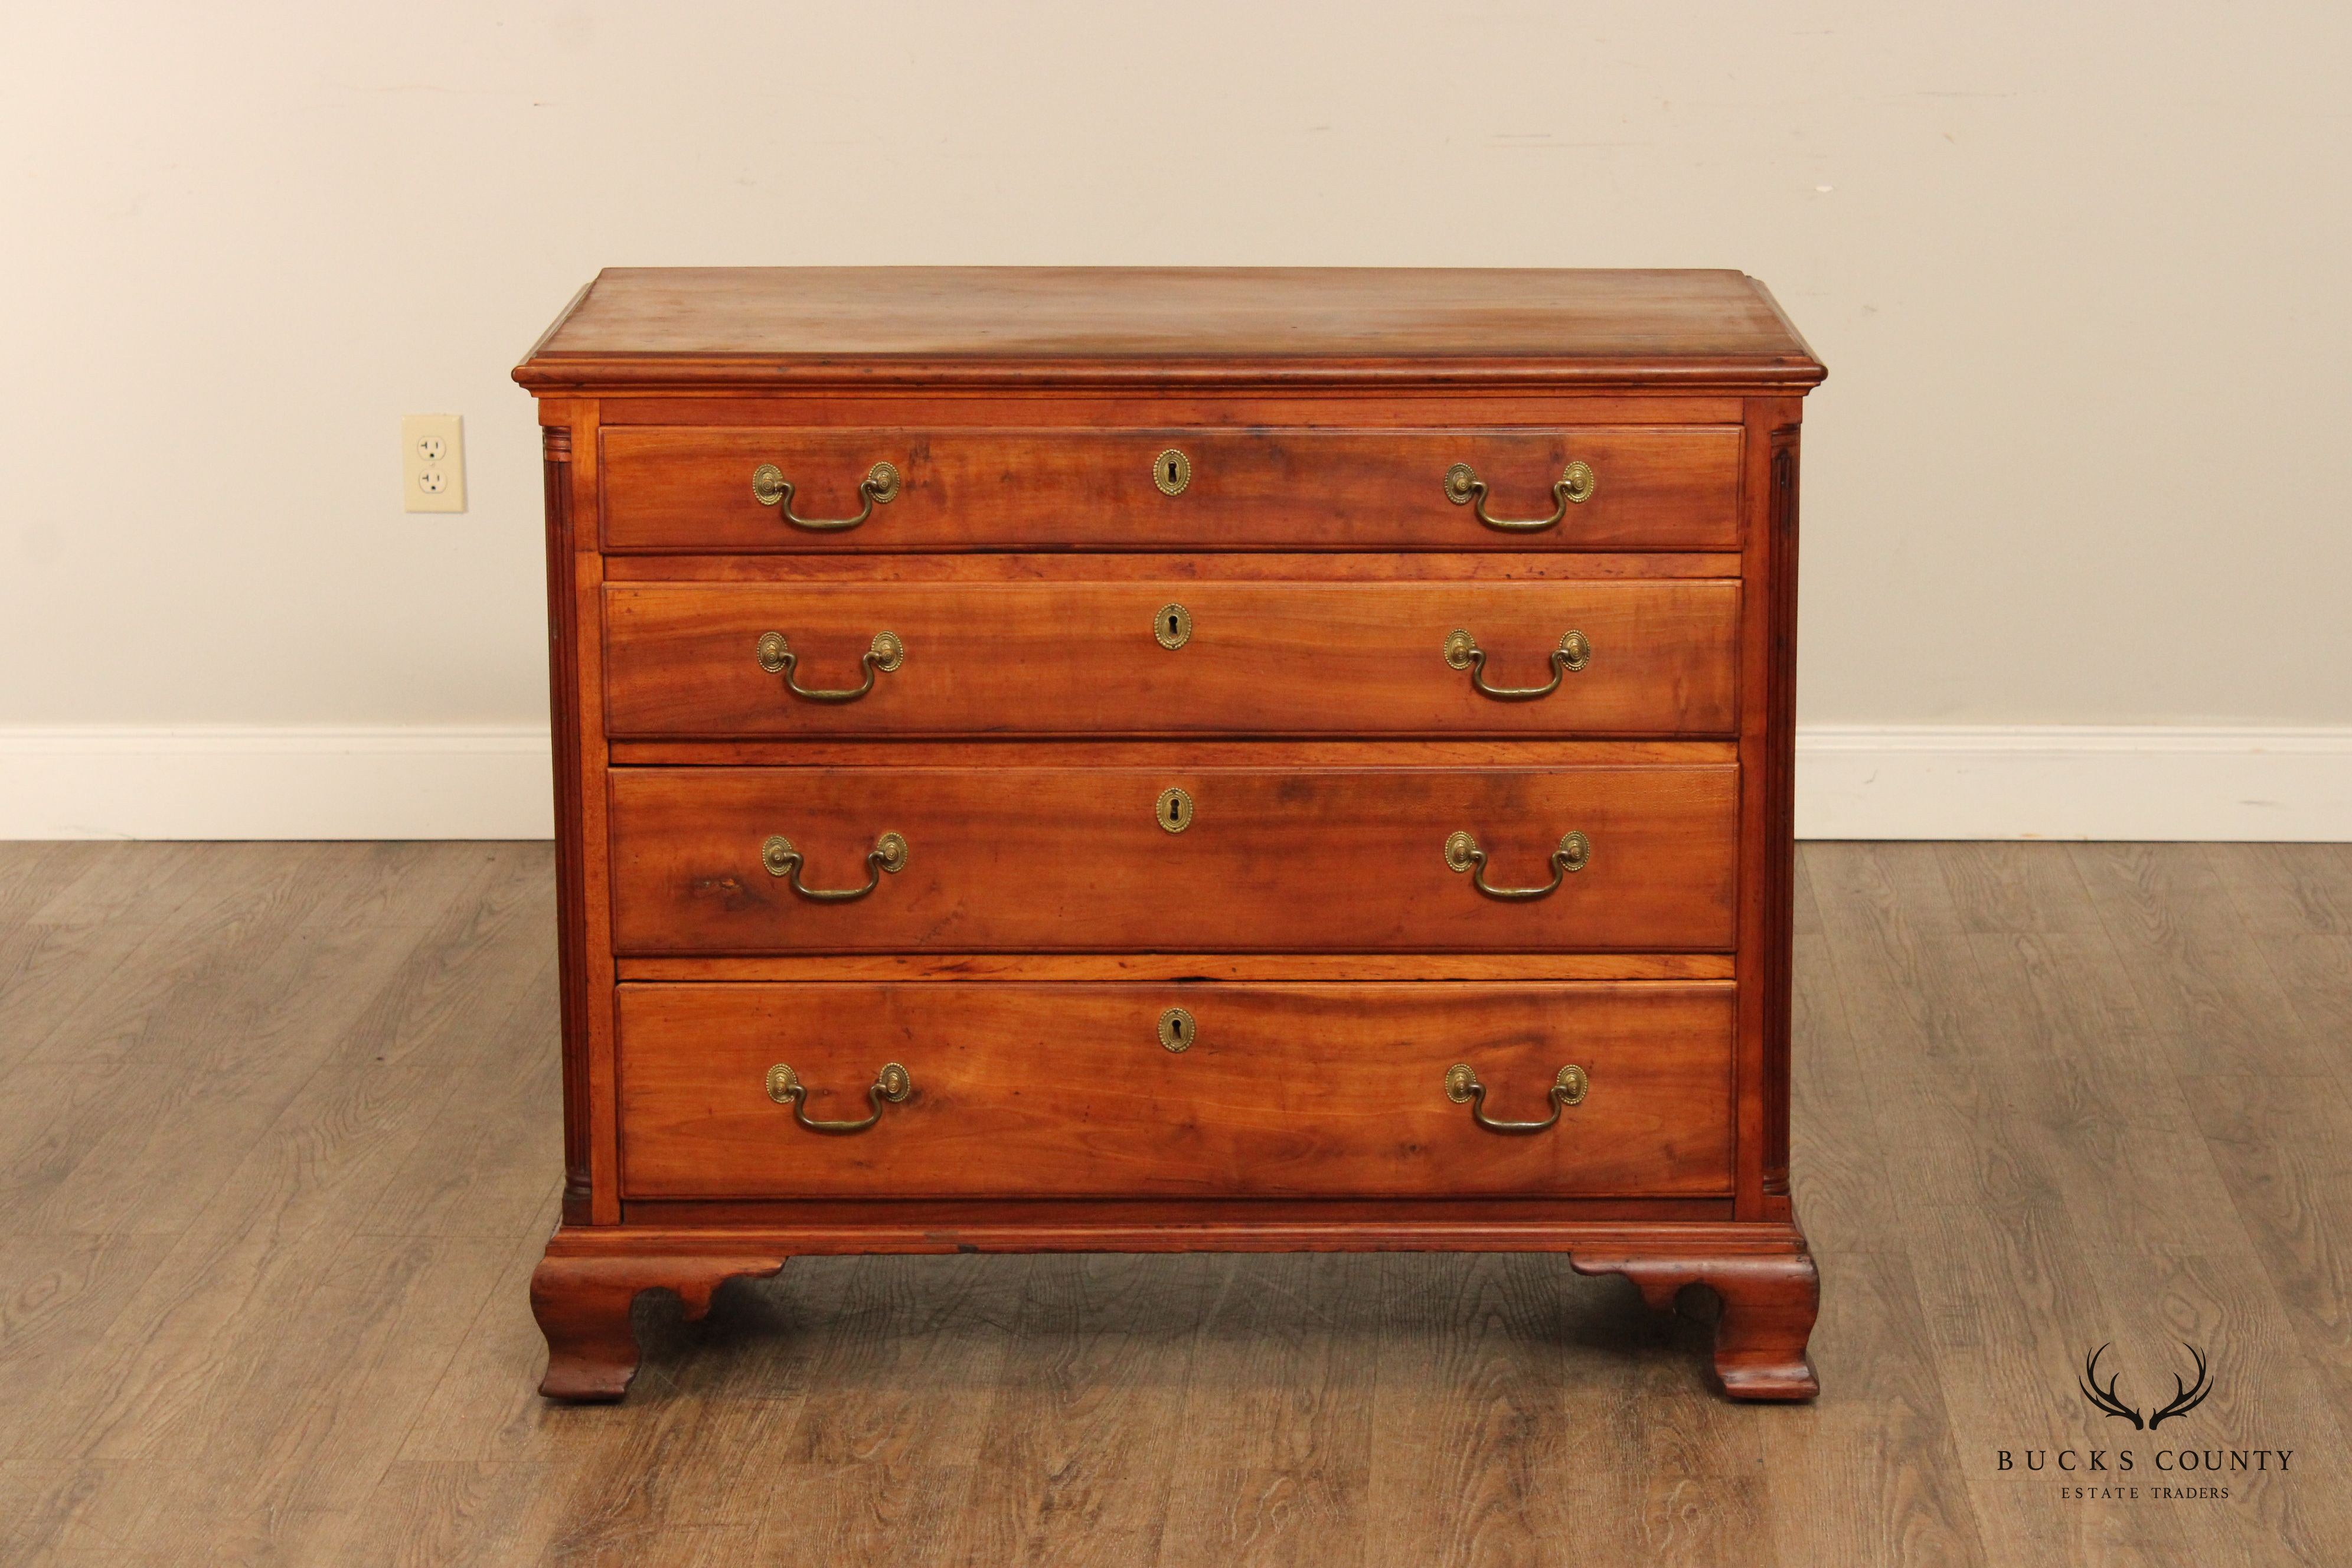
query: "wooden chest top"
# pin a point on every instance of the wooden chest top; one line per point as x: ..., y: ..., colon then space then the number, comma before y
x: 1286, y: 325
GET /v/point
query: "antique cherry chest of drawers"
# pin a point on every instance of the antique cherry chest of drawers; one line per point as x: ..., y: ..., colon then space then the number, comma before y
x: 1160, y: 760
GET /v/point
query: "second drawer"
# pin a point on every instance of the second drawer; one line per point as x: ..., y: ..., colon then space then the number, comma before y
x: 1588, y: 657
x: 1173, y: 858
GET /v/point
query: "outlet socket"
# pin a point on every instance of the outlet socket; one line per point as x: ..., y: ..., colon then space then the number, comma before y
x: 432, y: 462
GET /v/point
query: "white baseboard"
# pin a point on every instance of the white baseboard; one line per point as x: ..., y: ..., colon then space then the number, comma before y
x: 2111, y: 781
x: 1852, y: 781
x: 392, y: 782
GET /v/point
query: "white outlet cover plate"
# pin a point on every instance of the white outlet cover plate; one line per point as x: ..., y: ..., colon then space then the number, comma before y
x: 432, y: 462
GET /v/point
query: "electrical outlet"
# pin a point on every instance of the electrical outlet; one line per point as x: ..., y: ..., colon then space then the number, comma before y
x: 432, y: 462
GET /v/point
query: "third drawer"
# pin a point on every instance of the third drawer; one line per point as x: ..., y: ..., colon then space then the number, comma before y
x: 1173, y: 858
x: 1614, y: 658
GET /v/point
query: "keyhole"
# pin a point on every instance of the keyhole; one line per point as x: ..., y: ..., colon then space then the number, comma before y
x: 1171, y: 471
x: 1172, y: 628
x: 1176, y: 1030
x: 1175, y: 811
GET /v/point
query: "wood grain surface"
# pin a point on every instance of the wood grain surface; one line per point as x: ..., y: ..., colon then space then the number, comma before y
x: 1093, y: 660
x: 684, y: 488
x: 1054, y: 1090
x: 280, y: 1148
x: 1074, y: 858
x: 1166, y: 325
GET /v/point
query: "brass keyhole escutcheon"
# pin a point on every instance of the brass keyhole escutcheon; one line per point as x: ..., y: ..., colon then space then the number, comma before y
x: 1175, y: 811
x: 1172, y: 628
x: 1177, y: 1030
x: 1171, y: 471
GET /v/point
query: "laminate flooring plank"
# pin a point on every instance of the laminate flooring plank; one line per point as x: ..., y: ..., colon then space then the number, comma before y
x: 32, y: 873
x: 277, y: 1221
x: 2009, y: 889
x: 690, y: 1546
x: 2284, y: 1147
x: 1902, y: 967
x: 1688, y: 1476
x: 120, y: 935
x: 2286, y: 890
x: 152, y: 884
x: 2316, y: 972
x: 2264, y: 1394
x: 702, y: 1442
x: 2201, y: 976
x: 62, y: 1510
x: 896, y: 1366
x: 2012, y: 1305
x: 312, y: 1426
x: 641, y: 1477
x: 486, y: 1408
x: 2077, y: 1088
x: 58, y: 1295
x: 2000, y: 1298
x: 1273, y: 1462
x: 1869, y: 1475
x: 1838, y: 1162
x: 433, y: 1513
x: 142, y: 1134
x: 1931, y: 1059
x: 1475, y: 1458
x: 713, y: 1434
x: 289, y: 914
x: 482, y: 1166
x: 1073, y: 1466
x: 126, y: 977
x: 1805, y: 910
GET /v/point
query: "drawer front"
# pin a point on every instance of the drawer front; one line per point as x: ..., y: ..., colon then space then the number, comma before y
x: 1082, y: 859
x: 691, y: 488
x: 703, y: 659
x: 1017, y: 1089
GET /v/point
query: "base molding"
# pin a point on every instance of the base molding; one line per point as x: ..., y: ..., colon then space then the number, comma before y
x: 391, y: 781
x: 1762, y: 1272
x: 2132, y: 782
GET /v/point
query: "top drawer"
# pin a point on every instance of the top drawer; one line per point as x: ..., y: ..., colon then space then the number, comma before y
x: 669, y: 488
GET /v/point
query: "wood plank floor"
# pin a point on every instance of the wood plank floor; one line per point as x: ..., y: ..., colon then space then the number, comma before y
x: 278, y: 1147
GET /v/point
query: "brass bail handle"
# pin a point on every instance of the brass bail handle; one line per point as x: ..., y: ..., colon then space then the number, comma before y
x: 1463, y: 854
x: 1464, y: 487
x: 1463, y: 652
x: 1463, y: 1088
x: 883, y: 655
x: 891, y: 1086
x: 879, y: 487
x: 888, y: 854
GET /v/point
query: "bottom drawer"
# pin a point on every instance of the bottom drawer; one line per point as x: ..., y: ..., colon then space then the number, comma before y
x: 1015, y: 1089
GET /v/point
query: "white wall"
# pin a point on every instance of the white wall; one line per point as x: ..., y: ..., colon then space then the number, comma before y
x: 2079, y: 273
